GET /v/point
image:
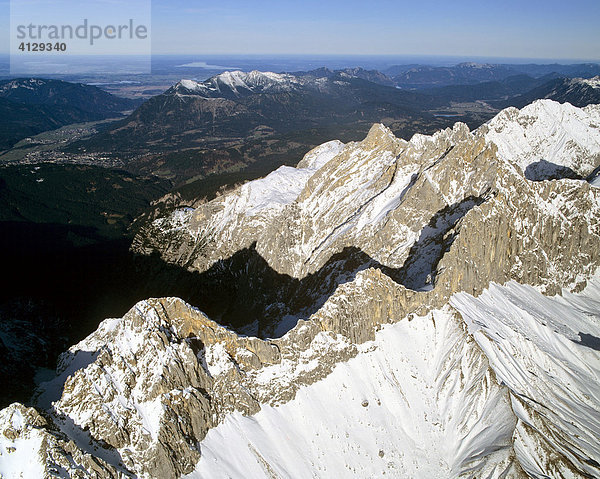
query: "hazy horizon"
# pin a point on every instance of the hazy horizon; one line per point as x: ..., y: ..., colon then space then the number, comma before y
x: 548, y: 31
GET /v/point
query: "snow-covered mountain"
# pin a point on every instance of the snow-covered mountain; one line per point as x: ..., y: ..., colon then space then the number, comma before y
x: 547, y: 135
x: 430, y: 397
x: 411, y: 308
x: 235, y: 106
x: 238, y: 83
x: 577, y: 91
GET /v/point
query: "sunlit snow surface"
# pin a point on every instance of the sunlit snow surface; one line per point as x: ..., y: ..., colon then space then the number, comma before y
x: 282, y: 186
x: 20, y: 458
x: 434, y: 407
x: 419, y: 401
x: 546, y: 350
x: 234, y: 80
x: 545, y: 130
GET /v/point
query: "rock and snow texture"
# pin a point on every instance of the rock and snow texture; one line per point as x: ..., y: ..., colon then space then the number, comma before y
x: 404, y: 204
x: 546, y: 350
x: 592, y: 82
x: 30, y: 447
x: 20, y: 443
x: 149, y: 385
x: 404, y: 355
x: 237, y: 83
x: 579, y: 92
x: 418, y: 401
x: 422, y: 400
x: 280, y: 188
x: 549, y: 134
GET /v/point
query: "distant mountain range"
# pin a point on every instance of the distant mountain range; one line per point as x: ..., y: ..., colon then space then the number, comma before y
x: 236, y: 105
x: 576, y: 91
x: 461, y: 74
x: 236, y: 120
x: 29, y: 106
x: 374, y: 76
x: 488, y: 90
x: 426, y: 76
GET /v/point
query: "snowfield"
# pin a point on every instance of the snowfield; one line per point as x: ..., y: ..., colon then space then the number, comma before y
x: 424, y: 401
x: 410, y: 405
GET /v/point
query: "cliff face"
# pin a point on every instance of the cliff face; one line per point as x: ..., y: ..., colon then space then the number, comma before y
x: 374, y: 265
x: 151, y: 384
x: 450, y: 212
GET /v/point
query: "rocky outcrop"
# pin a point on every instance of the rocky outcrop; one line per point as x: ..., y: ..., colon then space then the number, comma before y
x: 322, y: 257
x: 449, y: 212
x: 150, y: 385
x: 30, y: 446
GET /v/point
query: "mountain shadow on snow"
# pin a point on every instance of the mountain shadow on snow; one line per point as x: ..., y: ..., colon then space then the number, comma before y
x: 545, y: 170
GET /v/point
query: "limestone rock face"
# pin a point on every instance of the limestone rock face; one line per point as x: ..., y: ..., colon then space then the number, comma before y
x: 368, y: 266
x: 454, y: 210
x: 150, y: 385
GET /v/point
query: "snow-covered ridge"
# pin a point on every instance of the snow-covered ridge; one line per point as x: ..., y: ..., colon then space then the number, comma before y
x: 190, y: 84
x: 238, y: 82
x: 547, y: 131
x: 363, y: 194
x: 282, y: 187
x: 418, y: 402
x: 592, y: 82
x: 546, y: 350
x: 455, y: 389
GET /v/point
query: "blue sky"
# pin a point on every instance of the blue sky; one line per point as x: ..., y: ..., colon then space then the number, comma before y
x: 527, y: 28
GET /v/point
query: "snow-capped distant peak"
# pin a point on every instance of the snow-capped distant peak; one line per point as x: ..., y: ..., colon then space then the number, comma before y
x: 474, y: 65
x: 255, y: 78
x: 238, y: 81
x: 22, y: 83
x: 189, y: 84
x: 233, y: 79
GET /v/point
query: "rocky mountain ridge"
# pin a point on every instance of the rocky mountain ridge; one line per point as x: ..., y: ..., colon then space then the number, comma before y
x: 351, y: 205
x: 577, y: 91
x: 373, y: 265
x: 238, y: 83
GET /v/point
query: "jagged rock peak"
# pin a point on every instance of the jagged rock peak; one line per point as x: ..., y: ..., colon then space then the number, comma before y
x: 381, y: 255
x: 381, y: 136
x: 379, y: 195
x: 169, y: 374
